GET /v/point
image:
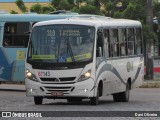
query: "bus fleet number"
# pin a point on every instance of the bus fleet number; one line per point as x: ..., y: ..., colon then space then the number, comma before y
x: 44, y: 73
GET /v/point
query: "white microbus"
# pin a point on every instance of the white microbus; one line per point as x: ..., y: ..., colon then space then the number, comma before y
x: 84, y: 57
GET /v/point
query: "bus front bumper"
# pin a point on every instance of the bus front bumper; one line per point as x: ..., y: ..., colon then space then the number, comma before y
x: 78, y: 89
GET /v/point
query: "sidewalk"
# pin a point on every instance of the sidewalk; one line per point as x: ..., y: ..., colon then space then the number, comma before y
x: 21, y: 87
x: 151, y: 83
x: 12, y: 87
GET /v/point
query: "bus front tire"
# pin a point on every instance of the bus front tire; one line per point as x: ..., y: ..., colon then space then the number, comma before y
x: 122, y: 96
x: 95, y: 100
x: 38, y: 100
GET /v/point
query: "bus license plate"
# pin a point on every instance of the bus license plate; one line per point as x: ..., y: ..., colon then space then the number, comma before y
x: 57, y: 93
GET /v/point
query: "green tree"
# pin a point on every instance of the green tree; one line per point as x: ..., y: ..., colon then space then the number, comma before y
x: 47, y: 9
x: 56, y: 4
x: 13, y: 12
x: 88, y: 9
x: 118, y: 14
x: 148, y: 35
x: 110, y: 7
x: 97, y: 3
x: 78, y: 3
x: 156, y: 8
x: 71, y: 3
x: 21, y: 6
x: 38, y: 8
x: 64, y: 5
x: 135, y: 11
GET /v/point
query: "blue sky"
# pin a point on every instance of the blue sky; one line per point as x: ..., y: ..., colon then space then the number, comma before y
x: 26, y: 0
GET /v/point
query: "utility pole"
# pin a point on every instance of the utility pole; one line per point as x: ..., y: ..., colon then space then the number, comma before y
x: 149, y: 42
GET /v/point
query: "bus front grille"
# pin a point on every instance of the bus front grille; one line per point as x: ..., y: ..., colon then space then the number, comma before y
x: 55, y: 80
x: 59, y: 89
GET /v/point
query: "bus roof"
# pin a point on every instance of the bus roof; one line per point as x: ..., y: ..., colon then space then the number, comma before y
x: 31, y: 17
x: 93, y: 20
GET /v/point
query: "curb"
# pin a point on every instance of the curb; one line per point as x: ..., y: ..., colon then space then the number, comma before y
x: 14, y: 90
x: 12, y: 87
x: 150, y: 84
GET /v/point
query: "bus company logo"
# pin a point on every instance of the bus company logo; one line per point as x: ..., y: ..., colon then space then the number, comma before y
x: 128, y: 67
x: 56, y: 80
x: 6, y: 114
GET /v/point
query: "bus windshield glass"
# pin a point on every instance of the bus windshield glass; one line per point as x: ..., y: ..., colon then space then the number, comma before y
x: 61, y: 43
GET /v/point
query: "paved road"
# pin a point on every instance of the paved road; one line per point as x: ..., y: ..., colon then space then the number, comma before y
x: 142, y: 99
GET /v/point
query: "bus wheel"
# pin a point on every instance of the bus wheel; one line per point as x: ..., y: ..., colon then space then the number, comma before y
x: 38, y: 100
x: 122, y: 96
x: 95, y: 100
x: 74, y: 100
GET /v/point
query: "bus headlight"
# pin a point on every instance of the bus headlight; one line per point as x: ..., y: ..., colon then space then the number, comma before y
x: 85, y: 76
x: 31, y: 76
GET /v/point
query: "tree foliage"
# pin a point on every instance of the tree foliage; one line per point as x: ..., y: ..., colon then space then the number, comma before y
x: 21, y: 6
x: 38, y: 8
x: 64, y: 5
x: 55, y: 3
x: 134, y: 11
x: 156, y: 9
x: 130, y: 9
x: 13, y: 12
x: 88, y: 9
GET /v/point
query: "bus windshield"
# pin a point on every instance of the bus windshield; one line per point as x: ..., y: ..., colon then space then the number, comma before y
x: 61, y: 43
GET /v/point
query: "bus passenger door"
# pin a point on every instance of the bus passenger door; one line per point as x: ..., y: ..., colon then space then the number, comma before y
x: 101, y: 61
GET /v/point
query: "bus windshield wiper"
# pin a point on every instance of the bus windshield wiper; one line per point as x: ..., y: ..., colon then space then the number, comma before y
x: 69, y: 49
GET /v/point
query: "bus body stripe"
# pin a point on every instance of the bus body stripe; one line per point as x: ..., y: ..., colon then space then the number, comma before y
x: 108, y: 67
x: 138, y: 71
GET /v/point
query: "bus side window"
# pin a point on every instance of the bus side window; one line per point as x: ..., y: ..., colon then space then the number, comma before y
x: 9, y: 29
x: 16, y: 33
x: 123, y: 41
x: 106, y: 42
x: 131, y: 41
x: 138, y: 41
x: 99, y: 49
x: 114, y: 44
